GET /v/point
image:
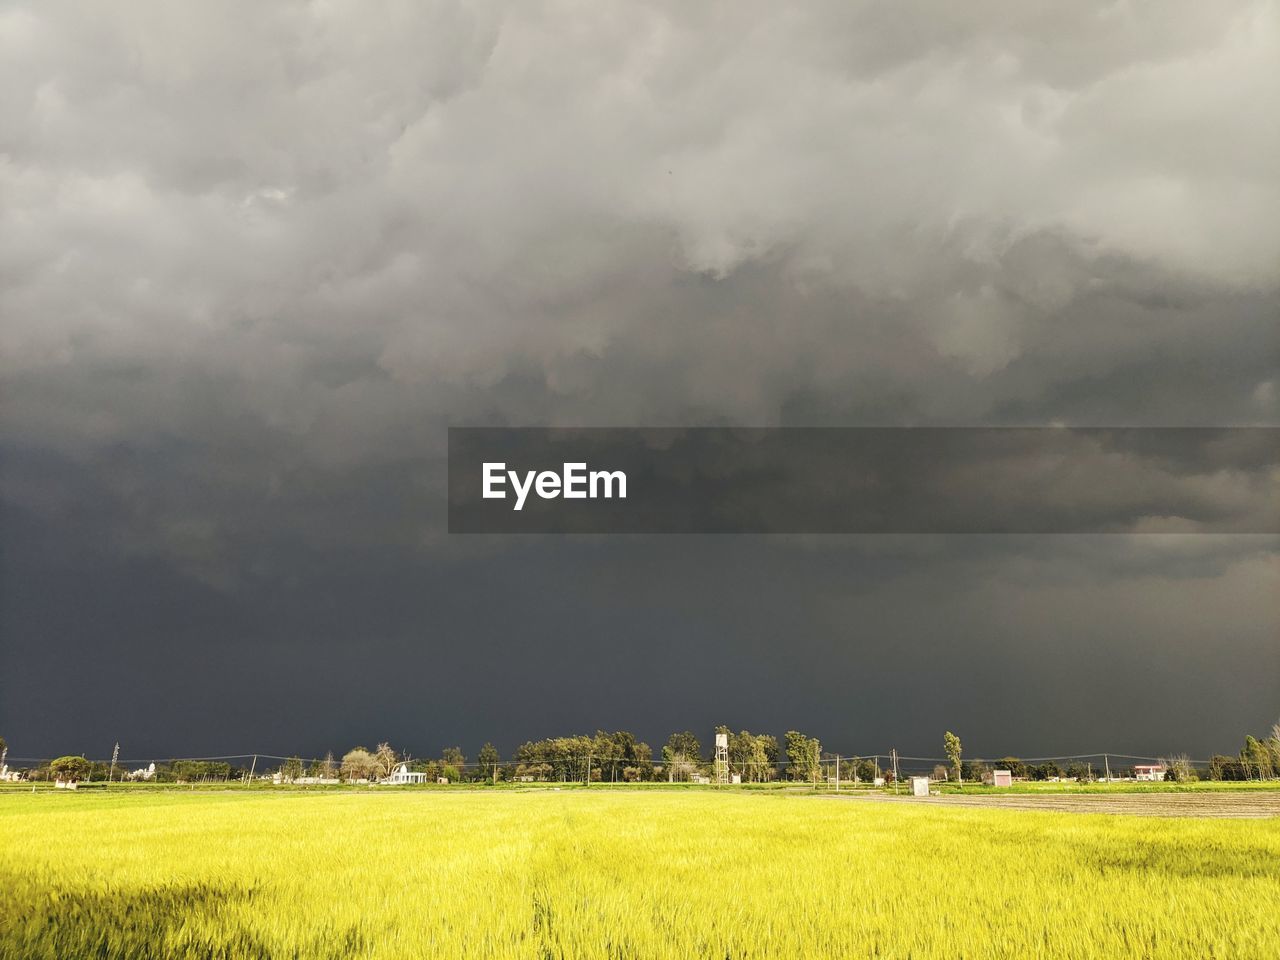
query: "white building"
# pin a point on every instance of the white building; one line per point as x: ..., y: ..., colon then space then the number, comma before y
x: 1148, y: 771
x: 403, y: 774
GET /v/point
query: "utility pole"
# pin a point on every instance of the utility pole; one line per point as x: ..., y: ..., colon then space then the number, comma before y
x: 1106, y: 762
x: 115, y: 755
x: 252, y: 769
x: 837, y: 773
x: 893, y: 752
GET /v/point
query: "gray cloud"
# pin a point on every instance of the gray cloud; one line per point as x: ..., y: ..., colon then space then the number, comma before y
x: 253, y: 261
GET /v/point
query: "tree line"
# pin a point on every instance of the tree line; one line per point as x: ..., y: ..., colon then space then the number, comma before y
x: 621, y: 757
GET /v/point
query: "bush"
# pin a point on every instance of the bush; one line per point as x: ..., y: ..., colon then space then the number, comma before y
x: 70, y: 768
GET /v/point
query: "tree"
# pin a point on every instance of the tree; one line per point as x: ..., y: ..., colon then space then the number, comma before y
x: 488, y: 759
x: 291, y: 770
x: 70, y: 768
x: 384, y: 760
x: 358, y: 764
x: 323, y: 769
x: 1257, y: 758
x: 951, y: 743
x: 453, y: 757
x: 188, y: 771
x: 757, y: 767
x: 682, y: 754
x: 1017, y: 769
x: 1179, y: 769
x: 643, y: 761
x: 1081, y: 772
x: 685, y: 744
x: 1045, y: 771
x: 867, y: 770
x: 803, y: 756
x: 608, y: 750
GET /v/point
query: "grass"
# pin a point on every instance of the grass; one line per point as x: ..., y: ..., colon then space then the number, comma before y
x: 586, y: 874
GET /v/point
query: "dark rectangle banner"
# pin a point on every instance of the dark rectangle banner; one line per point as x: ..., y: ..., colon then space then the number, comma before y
x: 864, y: 480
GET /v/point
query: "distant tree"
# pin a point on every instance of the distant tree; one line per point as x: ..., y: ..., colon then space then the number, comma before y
x: 385, y: 760
x: 323, y: 769
x: 1081, y: 772
x: 70, y: 768
x: 951, y: 743
x: 430, y: 767
x: 749, y: 754
x: 758, y: 768
x: 453, y: 757
x: 803, y: 756
x: 642, y: 761
x: 606, y: 753
x: 1257, y: 758
x: 867, y: 770
x: 358, y: 764
x: 1044, y: 771
x: 684, y: 744
x: 488, y: 759
x: 291, y: 770
x: 189, y: 771
x: 682, y: 755
x: 4, y: 744
x: 1179, y: 769
x: 772, y: 752
x: 1016, y: 767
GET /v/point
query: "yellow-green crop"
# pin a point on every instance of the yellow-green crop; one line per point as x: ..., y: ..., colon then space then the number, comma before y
x: 580, y: 875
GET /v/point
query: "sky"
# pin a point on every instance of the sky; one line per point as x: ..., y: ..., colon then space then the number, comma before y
x: 256, y: 259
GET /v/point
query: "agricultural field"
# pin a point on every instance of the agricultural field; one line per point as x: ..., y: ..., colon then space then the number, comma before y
x: 597, y: 873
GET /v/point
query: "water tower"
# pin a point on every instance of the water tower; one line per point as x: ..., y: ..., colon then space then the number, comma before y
x: 722, y: 758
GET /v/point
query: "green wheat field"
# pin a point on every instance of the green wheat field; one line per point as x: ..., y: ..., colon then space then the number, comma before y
x: 587, y: 874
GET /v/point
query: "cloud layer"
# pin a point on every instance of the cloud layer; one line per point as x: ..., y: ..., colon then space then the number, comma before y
x: 253, y: 260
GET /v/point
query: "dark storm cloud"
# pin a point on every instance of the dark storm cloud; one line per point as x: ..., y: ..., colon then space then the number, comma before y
x: 253, y: 261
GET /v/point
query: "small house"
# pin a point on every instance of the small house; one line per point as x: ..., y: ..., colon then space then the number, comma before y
x: 1148, y: 771
x: 402, y: 774
x: 1002, y: 778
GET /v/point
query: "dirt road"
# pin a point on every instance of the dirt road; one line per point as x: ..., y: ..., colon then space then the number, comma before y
x: 1243, y: 804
